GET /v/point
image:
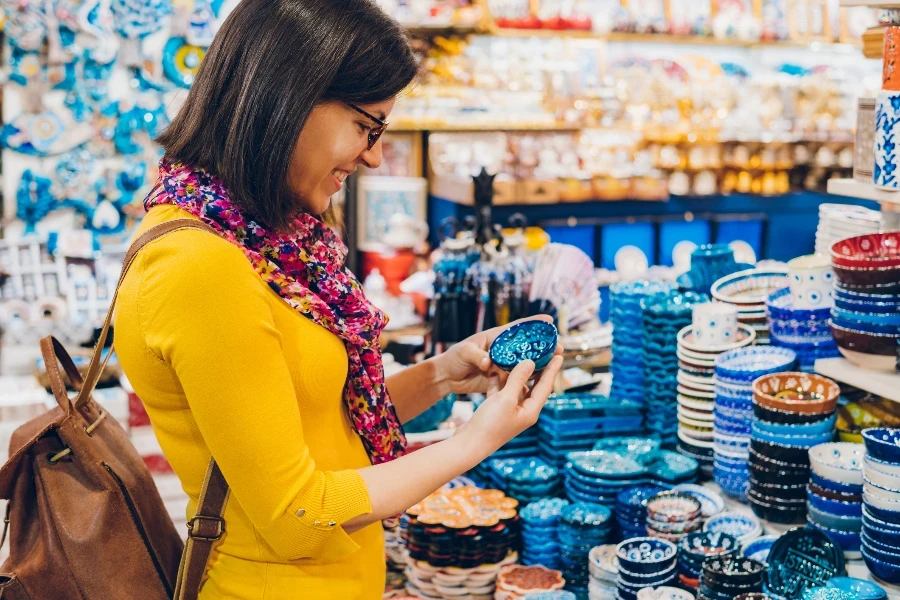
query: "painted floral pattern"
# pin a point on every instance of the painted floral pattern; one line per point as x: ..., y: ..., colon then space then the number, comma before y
x: 306, y: 268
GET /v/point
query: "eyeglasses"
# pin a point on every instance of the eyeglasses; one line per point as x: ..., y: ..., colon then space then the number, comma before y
x: 374, y: 132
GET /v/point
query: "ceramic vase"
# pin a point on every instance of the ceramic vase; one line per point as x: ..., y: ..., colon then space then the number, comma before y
x: 887, y: 133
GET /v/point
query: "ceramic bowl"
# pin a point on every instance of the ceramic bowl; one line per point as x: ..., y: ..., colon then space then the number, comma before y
x: 866, y: 276
x: 780, y: 307
x: 754, y: 596
x: 792, y: 441
x: 882, y: 481
x: 823, y: 425
x: 868, y: 350
x: 882, y: 466
x: 711, y: 503
x: 734, y: 571
x: 781, y: 390
x: 834, y: 507
x: 873, y: 318
x: 697, y: 546
x: 646, y: 555
x: 875, y: 326
x: 864, y: 590
x: 750, y: 287
x: 606, y: 465
x: 826, y: 593
x: 883, y: 443
x: 878, y: 529
x: 664, y: 593
x: 759, y: 548
x: 844, y: 524
x: 673, y: 507
x: 889, y: 517
x: 840, y: 496
x: 787, y: 417
x: 743, y: 527
x: 870, y: 250
x: 847, y: 542
x: 747, y: 364
x: 881, y: 492
x: 531, y: 340
x: 838, y: 461
x: 885, y: 571
x: 779, y: 454
x: 877, y: 500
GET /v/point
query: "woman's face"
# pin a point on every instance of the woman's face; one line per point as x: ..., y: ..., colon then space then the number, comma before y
x: 334, y: 141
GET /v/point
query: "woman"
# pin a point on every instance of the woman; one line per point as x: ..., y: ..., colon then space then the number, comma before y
x: 256, y: 347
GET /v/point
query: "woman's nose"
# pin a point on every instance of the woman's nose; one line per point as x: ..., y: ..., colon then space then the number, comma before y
x: 372, y: 157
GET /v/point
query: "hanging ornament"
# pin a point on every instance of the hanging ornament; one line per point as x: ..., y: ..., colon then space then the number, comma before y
x: 33, y: 200
x: 136, y: 19
x: 181, y: 61
x: 43, y: 134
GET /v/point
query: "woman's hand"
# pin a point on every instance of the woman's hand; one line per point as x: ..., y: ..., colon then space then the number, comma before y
x: 509, y: 411
x: 466, y: 367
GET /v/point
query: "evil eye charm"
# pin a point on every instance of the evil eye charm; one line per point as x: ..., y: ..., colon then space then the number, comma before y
x: 181, y: 61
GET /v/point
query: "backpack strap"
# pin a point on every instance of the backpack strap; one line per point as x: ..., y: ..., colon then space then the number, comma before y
x: 207, y: 526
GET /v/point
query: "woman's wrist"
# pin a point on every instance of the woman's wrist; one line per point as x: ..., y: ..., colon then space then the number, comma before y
x: 440, y: 380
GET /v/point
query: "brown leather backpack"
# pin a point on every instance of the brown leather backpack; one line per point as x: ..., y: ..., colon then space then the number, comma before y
x: 85, y: 519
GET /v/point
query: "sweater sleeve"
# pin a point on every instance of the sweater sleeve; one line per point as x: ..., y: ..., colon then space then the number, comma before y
x: 214, y: 326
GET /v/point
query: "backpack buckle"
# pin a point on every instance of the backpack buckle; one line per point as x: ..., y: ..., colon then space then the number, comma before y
x: 197, y: 531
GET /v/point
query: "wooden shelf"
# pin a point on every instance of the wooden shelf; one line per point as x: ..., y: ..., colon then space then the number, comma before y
x: 886, y: 385
x: 650, y: 38
x: 865, y: 191
x: 439, y: 127
x: 872, y: 3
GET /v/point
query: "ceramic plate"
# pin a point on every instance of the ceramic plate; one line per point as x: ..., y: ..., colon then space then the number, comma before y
x: 745, y: 337
x: 686, y: 436
x: 695, y: 393
x: 695, y: 414
x: 695, y: 403
x: 749, y: 287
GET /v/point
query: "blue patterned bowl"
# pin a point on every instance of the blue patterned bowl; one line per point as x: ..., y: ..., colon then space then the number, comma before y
x: 743, y: 527
x: 746, y: 364
x: 531, y: 340
x: 864, y: 590
x: 608, y: 465
x: 794, y: 441
x: 780, y: 306
x: 865, y: 326
x: 884, y: 566
x: 759, y: 548
x: 834, y: 507
x: 883, y: 443
x: 806, y: 429
x: 646, y: 555
x: 827, y: 593
x: 834, y: 486
x: 839, y: 523
x: 866, y: 317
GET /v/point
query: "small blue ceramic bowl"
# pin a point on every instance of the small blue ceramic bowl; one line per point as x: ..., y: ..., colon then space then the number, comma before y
x: 879, y: 525
x: 889, y: 572
x: 866, y: 327
x: 796, y: 441
x: 883, y: 443
x: 846, y: 524
x: 743, y: 365
x: 531, y: 340
x: 849, y: 542
x: 646, y: 555
x: 866, y: 306
x: 878, y: 319
x: 834, y: 486
x: 759, y: 548
x: 834, y: 507
x: 864, y: 590
x: 891, y: 517
x: 809, y: 429
x: 779, y: 305
x: 874, y: 541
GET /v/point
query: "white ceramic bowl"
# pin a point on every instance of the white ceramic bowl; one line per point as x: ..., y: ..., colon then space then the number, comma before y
x: 664, y: 593
x: 882, y: 480
x: 879, y: 502
x: 885, y: 495
x: 881, y: 466
x: 838, y: 461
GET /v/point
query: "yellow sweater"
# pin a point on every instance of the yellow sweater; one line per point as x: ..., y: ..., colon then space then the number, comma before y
x: 225, y: 366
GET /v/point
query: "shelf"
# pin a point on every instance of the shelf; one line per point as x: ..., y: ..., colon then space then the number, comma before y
x: 872, y: 3
x: 439, y: 127
x: 865, y: 191
x: 652, y: 38
x: 886, y: 385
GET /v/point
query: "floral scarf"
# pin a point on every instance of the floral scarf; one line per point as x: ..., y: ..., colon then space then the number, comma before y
x: 306, y: 268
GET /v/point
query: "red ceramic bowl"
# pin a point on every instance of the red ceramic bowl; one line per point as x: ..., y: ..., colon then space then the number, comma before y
x: 867, y: 276
x: 868, y: 251
x: 768, y: 388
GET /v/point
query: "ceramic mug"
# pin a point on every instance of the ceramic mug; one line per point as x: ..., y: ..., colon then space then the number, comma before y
x: 714, y: 324
x: 811, y: 281
x: 887, y: 135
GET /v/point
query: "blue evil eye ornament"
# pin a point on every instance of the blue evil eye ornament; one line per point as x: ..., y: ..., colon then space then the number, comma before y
x: 181, y: 61
x: 531, y: 340
x: 34, y: 201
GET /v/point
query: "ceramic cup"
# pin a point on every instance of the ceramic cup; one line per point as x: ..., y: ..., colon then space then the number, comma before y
x: 715, y: 324
x: 887, y: 134
x: 811, y: 281
x: 864, y: 160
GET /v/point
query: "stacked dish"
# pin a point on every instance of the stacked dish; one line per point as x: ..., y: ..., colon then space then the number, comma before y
x: 672, y: 515
x: 748, y: 290
x: 709, y: 263
x: 793, y: 411
x: 834, y: 494
x: 802, y: 558
x: 644, y: 562
x: 517, y: 581
x: 696, y: 547
x: 735, y: 372
x: 840, y: 221
x: 664, y: 315
x: 627, y: 367
x: 723, y: 578
x: 696, y: 392
x: 599, y: 475
x: 865, y: 322
x: 571, y: 422
x: 525, y: 479
x: 521, y: 446
x: 759, y: 548
x: 582, y: 526
x: 604, y: 568
x: 745, y: 528
x: 881, y: 503
x: 631, y: 510
x: 711, y: 503
x: 805, y: 331
x: 540, y: 539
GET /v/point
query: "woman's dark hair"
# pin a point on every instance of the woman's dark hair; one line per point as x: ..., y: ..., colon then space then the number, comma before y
x: 270, y: 64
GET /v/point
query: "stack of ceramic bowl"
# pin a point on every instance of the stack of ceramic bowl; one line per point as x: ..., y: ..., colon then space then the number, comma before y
x: 571, y: 422
x: 745, y: 528
x: 645, y: 562
x: 444, y: 583
x: 709, y: 263
x: 672, y: 515
x: 517, y: 581
x: 664, y: 315
x: 802, y: 558
x: 631, y: 510
x: 664, y: 593
x: 711, y: 503
x: 604, y: 568
x: 733, y: 414
x: 795, y: 411
x: 748, y: 291
x: 867, y: 269
x: 582, y: 526
x: 696, y: 383
x: 841, y: 221
x: 723, y: 578
x: 696, y: 547
x: 627, y: 366
x: 805, y: 331
x: 525, y: 479
x: 759, y: 548
x: 881, y: 503
x: 540, y: 540
x: 599, y: 475
x: 834, y: 494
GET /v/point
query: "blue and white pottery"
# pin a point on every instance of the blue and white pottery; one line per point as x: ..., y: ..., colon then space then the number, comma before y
x: 664, y: 593
x: 889, y: 517
x: 834, y: 507
x: 866, y: 318
x: 834, y: 486
x: 887, y: 136
x: 840, y: 462
x: 746, y: 364
x: 759, y: 548
x: 802, y: 558
x: 714, y: 323
x: 887, y: 572
x: 780, y: 307
x: 846, y: 524
x: 804, y: 429
x: 744, y: 527
x: 749, y: 287
x: 646, y: 555
x: 827, y: 593
x: 531, y: 340
x: 711, y: 503
x: 882, y: 466
x: 883, y: 444
x: 811, y: 281
x: 864, y: 590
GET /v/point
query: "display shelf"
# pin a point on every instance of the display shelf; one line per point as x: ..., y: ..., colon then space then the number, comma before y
x: 886, y: 385
x: 445, y: 127
x: 855, y: 568
x: 865, y: 191
x: 650, y: 38
x: 872, y: 3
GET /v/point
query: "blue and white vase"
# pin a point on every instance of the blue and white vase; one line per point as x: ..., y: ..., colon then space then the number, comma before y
x: 887, y: 136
